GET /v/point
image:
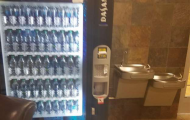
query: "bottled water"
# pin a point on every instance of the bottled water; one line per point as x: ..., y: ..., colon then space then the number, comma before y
x: 48, y: 88
x: 40, y: 42
x: 65, y: 16
x: 48, y: 16
x: 57, y: 45
x: 15, y: 88
x: 75, y: 106
x: 62, y: 65
x: 62, y: 106
x: 13, y: 15
x: 76, y: 41
x: 40, y: 88
x: 74, y: 88
x: 54, y: 66
x: 46, y: 66
x: 57, y: 16
x: 29, y: 66
x: 24, y: 42
x: 22, y: 16
x: 76, y: 67
x: 69, y: 106
x: 17, y: 41
x: 9, y: 40
x: 73, y: 18
x: 24, y: 89
x: 39, y: 17
x: 32, y: 88
x: 48, y: 107
x: 70, y: 64
x: 6, y: 15
x: 55, y: 86
x: 63, y: 87
x: 40, y: 107
x: 12, y: 65
x: 30, y: 16
x: 48, y: 42
x: 38, y: 66
x: 31, y: 40
x: 55, y: 106
x: 73, y: 45
x: 20, y: 67
x: 64, y: 41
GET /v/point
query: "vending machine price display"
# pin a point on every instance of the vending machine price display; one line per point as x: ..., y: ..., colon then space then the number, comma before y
x: 102, y: 52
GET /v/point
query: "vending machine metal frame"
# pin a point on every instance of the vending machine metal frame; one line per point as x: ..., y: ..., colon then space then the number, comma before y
x: 5, y: 54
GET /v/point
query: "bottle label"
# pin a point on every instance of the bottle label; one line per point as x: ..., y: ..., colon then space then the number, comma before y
x: 15, y: 46
x: 66, y: 47
x: 28, y: 94
x: 19, y: 93
x: 49, y: 47
x: 31, y: 20
x: 5, y: 20
x: 24, y: 46
x: 48, y: 21
x: 36, y: 93
x: 18, y: 71
x: 60, y: 93
x: 10, y: 71
x: 26, y: 71
x: 41, y: 47
x: 8, y: 47
x: 12, y: 20
x: 75, y: 70
x: 65, y: 21
x: 39, y: 21
x: 75, y: 22
x: 72, y: 21
x: 51, y: 71
x: 57, y: 21
x: 34, y: 71
x: 59, y: 71
x: 74, y: 47
x: 33, y: 47
x: 43, y: 71
x: 58, y: 47
x: 22, y: 20
x: 68, y: 92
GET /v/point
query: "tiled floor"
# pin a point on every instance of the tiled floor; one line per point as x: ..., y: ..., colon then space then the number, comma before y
x: 179, y: 117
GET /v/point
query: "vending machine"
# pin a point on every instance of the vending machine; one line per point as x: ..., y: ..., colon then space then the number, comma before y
x: 58, y: 55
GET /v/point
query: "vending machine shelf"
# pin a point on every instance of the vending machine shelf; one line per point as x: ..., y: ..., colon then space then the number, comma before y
x: 42, y: 28
x: 53, y: 98
x: 44, y: 53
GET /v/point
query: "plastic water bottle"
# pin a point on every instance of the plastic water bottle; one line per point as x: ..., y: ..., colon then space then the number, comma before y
x: 40, y: 107
x: 76, y: 68
x: 77, y: 41
x: 6, y: 15
x: 46, y: 66
x: 57, y: 44
x: 17, y: 41
x: 40, y: 42
x: 48, y: 16
x: 30, y: 16
x: 32, y: 88
x: 20, y: 67
x: 29, y: 66
x: 9, y: 40
x: 48, y: 88
x: 65, y: 18
x: 64, y: 41
x: 39, y: 17
x: 55, y: 86
x: 14, y: 88
x: 13, y: 15
x: 40, y: 88
x: 62, y: 65
x: 38, y: 66
x: 55, y: 106
x: 70, y: 64
x: 75, y: 106
x: 12, y: 65
x: 62, y: 106
x: 73, y: 87
x: 22, y: 16
x: 54, y: 66
x: 48, y: 42
x: 73, y: 18
x: 57, y: 17
x: 48, y: 107
x: 24, y: 42
x: 73, y: 45
x: 69, y: 106
x: 68, y: 89
x: 63, y: 86
x: 24, y: 89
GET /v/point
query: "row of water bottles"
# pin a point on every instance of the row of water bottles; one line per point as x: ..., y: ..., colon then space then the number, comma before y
x: 42, y: 41
x: 43, y: 66
x: 41, y: 16
x: 57, y: 107
x: 44, y: 88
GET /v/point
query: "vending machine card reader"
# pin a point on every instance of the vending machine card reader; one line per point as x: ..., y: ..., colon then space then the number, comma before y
x: 101, y: 69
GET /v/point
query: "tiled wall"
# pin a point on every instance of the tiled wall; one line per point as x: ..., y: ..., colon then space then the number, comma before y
x: 153, y: 31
